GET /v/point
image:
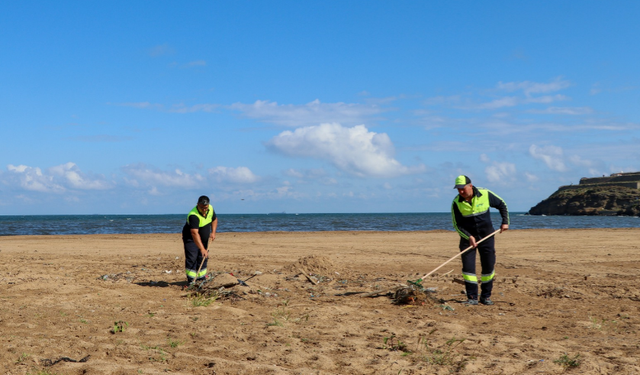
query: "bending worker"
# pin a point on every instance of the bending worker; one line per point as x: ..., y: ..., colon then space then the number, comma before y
x: 472, y: 221
x: 200, y: 227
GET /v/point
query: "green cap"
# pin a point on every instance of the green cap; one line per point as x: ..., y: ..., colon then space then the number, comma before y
x: 461, y: 181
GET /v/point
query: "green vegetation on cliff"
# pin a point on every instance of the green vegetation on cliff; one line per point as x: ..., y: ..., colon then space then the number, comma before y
x: 591, y: 200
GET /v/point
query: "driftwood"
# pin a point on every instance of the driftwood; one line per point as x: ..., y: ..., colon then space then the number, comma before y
x: 313, y: 281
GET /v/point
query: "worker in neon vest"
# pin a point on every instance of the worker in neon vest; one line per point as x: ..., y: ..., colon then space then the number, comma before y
x: 472, y: 221
x: 200, y: 227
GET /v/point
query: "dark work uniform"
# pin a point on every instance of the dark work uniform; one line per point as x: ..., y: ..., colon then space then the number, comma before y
x: 192, y: 255
x: 474, y: 219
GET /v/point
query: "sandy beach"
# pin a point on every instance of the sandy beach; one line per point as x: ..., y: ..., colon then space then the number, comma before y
x: 565, y: 301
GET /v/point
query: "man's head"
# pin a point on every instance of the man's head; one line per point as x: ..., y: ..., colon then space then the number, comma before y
x: 464, y: 186
x: 203, y: 203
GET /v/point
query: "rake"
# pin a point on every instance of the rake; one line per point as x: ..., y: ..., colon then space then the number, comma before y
x: 372, y: 294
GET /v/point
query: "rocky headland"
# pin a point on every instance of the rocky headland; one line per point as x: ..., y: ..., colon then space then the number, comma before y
x: 618, y: 194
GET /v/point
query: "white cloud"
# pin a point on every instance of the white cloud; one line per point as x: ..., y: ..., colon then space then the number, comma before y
x: 294, y: 173
x: 141, y: 175
x: 577, y: 160
x: 529, y: 88
x: 57, y: 179
x: 531, y: 177
x: 574, y: 111
x: 354, y: 150
x: 240, y: 175
x: 311, y: 173
x: 312, y: 113
x: 512, y: 101
x: 500, y: 103
x: 33, y: 179
x: 552, y: 156
x: 71, y: 174
x: 585, y: 163
x: 500, y: 172
x: 546, y: 99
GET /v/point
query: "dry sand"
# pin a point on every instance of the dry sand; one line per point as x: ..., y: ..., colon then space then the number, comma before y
x: 565, y: 301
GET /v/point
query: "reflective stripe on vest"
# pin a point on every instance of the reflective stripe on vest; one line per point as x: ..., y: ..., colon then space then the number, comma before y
x: 203, y: 220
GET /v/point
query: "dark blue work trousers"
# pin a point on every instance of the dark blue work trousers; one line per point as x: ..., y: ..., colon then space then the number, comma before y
x: 487, y: 253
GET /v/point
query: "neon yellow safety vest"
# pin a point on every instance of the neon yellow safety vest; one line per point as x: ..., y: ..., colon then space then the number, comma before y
x: 474, y: 217
x: 479, y: 204
x: 203, y: 221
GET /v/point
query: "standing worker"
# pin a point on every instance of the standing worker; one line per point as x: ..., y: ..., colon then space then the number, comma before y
x: 472, y: 221
x: 200, y: 227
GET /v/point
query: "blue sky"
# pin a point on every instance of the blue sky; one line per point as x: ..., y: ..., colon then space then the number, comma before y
x: 310, y: 106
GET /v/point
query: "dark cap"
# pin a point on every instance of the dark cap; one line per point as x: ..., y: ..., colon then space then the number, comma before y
x: 203, y: 200
x: 462, y: 181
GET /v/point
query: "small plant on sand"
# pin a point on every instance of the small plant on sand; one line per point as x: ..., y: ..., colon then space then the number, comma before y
x: 173, y: 343
x: 445, y: 354
x: 199, y: 299
x: 394, y: 344
x: 603, y: 324
x: 281, y: 314
x: 567, y: 362
x: 23, y: 357
x: 119, y: 326
x: 161, y: 354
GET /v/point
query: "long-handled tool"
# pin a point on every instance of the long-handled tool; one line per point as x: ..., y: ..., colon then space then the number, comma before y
x: 193, y: 282
x: 437, y: 268
x: 201, y: 263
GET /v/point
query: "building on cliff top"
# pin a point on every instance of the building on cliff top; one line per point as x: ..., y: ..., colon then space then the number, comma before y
x: 629, y: 179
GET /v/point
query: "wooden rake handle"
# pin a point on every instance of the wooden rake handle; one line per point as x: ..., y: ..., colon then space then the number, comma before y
x: 460, y: 253
x: 201, y: 263
x: 437, y: 268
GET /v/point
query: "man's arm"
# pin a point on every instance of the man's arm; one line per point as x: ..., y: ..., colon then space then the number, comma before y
x: 194, y: 224
x: 195, y: 234
x: 496, y: 202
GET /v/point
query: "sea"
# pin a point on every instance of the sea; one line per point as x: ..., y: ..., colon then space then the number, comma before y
x: 140, y: 224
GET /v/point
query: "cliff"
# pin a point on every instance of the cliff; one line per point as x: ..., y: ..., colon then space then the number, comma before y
x: 591, y: 200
